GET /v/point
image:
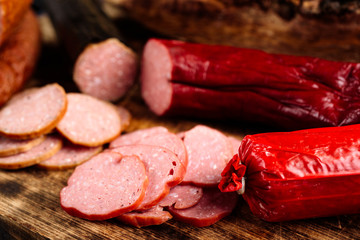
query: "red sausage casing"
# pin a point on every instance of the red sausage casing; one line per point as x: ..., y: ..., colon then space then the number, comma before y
x: 301, y: 174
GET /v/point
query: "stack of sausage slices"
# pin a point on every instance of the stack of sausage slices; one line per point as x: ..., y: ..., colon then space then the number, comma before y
x: 142, y: 178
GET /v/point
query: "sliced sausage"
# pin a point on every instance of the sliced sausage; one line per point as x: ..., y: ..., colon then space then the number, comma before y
x: 89, y: 121
x: 182, y: 196
x: 163, y: 167
x: 153, y: 216
x: 18, y: 55
x: 208, y: 150
x: 157, y: 136
x: 33, y: 112
x: 125, y: 116
x: 213, y: 206
x: 104, y: 187
x: 69, y: 156
x: 235, y: 143
x: 42, y: 151
x: 13, y: 146
x: 106, y: 70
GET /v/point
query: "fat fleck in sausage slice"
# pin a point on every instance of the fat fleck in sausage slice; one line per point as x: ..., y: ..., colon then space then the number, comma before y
x: 69, y: 156
x: 13, y: 146
x: 182, y: 196
x: 156, y: 136
x: 42, y: 151
x: 163, y: 167
x: 89, y: 121
x: 213, y: 206
x: 105, y: 187
x: 33, y: 112
x: 208, y: 150
x: 153, y: 216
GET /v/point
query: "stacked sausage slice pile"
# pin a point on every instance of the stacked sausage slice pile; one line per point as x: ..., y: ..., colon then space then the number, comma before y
x: 31, y: 121
x: 148, y: 176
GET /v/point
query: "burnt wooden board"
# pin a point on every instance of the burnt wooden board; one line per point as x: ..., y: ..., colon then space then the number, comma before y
x: 29, y: 198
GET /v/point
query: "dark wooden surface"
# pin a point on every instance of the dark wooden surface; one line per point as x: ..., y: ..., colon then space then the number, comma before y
x: 29, y: 198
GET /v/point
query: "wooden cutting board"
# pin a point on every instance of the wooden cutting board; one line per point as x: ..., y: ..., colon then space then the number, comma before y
x: 29, y: 198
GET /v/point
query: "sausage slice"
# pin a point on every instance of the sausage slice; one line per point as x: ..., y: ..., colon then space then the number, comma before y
x: 34, y: 112
x: 69, y: 156
x: 153, y: 216
x: 182, y: 196
x: 163, y: 167
x: 104, y: 187
x: 213, y: 206
x: 208, y: 150
x: 10, y: 146
x: 89, y: 121
x: 42, y: 151
x: 156, y: 136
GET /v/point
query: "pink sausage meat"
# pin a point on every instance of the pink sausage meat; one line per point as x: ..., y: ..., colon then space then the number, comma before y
x: 105, y: 186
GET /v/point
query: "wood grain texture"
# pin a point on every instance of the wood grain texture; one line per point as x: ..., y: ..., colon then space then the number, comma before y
x: 29, y: 198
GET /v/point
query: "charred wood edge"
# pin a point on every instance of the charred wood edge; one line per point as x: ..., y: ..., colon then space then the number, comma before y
x: 79, y: 23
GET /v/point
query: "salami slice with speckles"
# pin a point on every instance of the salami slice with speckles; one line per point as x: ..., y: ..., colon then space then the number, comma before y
x: 34, y: 112
x: 213, y: 206
x: 153, y: 216
x: 157, y: 136
x: 10, y: 146
x: 69, y: 156
x: 42, y: 151
x: 106, y: 70
x: 105, y: 187
x: 163, y: 167
x: 182, y: 196
x: 235, y: 143
x: 208, y: 150
x: 89, y: 121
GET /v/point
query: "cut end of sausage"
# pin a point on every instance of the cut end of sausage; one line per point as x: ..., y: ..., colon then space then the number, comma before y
x: 156, y: 69
x: 106, y: 70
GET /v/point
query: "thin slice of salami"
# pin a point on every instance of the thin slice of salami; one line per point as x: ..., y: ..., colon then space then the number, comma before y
x: 10, y: 146
x: 89, y: 121
x: 213, y: 206
x: 153, y: 216
x: 163, y: 167
x: 157, y: 136
x: 34, y: 112
x: 182, y: 196
x: 208, y: 150
x: 104, y: 187
x: 42, y: 151
x: 69, y: 156
x: 106, y: 70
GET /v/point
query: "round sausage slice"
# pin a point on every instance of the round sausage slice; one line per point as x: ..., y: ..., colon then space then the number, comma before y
x: 69, y: 156
x: 104, y: 187
x: 125, y: 116
x: 163, y: 167
x: 208, y: 150
x: 213, y: 206
x: 182, y: 196
x: 156, y: 136
x: 34, y: 112
x: 10, y: 146
x: 39, y: 153
x: 153, y: 216
x: 106, y: 70
x: 89, y: 121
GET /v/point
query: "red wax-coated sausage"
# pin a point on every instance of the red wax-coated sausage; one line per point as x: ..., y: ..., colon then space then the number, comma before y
x: 298, y: 175
x: 290, y: 92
